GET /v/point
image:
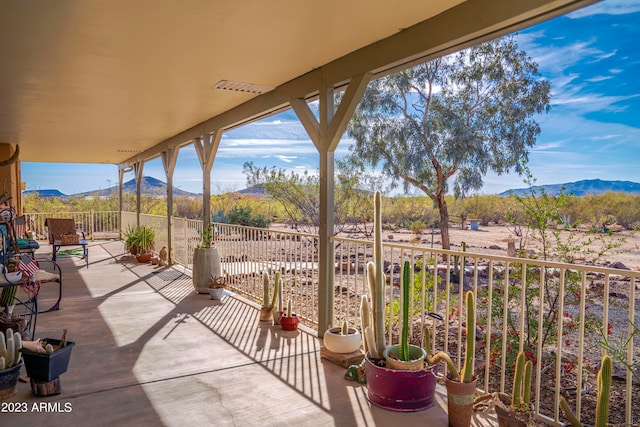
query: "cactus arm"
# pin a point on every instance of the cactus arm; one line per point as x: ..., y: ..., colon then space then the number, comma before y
x: 516, y: 395
x: 276, y: 289
x: 365, y: 318
x: 404, y: 342
x: 441, y: 356
x: 467, y: 371
x: 378, y: 308
x: 3, y: 346
x: 370, y: 340
x: 10, y: 351
x: 526, y: 392
x: 569, y: 415
x: 604, y: 389
x: 17, y: 345
x: 345, y: 328
x: 3, y: 364
x: 265, y: 289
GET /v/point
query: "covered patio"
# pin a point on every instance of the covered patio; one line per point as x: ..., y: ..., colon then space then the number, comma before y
x: 150, y: 351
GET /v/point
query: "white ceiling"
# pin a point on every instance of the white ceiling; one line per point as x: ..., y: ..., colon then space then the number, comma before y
x: 111, y: 81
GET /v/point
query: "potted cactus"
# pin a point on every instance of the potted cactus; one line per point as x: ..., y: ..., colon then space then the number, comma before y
x: 389, y: 388
x: 289, y: 320
x: 516, y: 410
x: 267, y: 313
x: 461, y: 386
x: 342, y: 340
x: 602, y: 403
x: 10, y: 362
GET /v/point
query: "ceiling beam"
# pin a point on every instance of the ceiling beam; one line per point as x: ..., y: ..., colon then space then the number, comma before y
x: 469, y: 23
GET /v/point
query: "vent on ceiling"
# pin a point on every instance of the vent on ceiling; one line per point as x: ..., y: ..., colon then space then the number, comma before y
x: 241, y: 87
x: 127, y: 151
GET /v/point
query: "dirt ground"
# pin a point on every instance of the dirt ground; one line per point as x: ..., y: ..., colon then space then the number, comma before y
x: 490, y: 240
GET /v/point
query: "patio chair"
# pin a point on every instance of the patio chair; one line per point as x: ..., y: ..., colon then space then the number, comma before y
x: 63, y: 233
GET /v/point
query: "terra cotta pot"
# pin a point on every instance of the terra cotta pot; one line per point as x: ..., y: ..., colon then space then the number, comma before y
x: 289, y: 323
x: 460, y: 397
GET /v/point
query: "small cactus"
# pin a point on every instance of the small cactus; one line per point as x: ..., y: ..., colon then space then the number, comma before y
x: 10, y: 349
x: 404, y: 341
x: 265, y: 289
x: 267, y: 299
x: 521, y: 396
x: 345, y: 328
x: 604, y: 390
x: 602, y: 400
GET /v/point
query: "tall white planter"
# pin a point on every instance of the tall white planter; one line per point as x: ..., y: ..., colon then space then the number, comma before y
x: 206, y: 264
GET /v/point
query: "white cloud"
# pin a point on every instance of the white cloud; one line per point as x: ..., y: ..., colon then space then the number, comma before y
x: 608, y: 7
x: 599, y: 79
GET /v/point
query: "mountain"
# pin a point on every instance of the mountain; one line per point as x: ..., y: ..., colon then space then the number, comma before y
x: 149, y: 187
x: 581, y: 188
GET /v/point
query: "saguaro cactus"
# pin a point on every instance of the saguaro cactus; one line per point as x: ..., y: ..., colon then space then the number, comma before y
x: 521, y: 395
x: 376, y: 280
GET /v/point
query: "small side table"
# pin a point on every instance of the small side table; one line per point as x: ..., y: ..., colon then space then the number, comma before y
x: 57, y: 244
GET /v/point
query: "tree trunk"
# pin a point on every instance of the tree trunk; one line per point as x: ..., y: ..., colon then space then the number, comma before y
x: 444, y: 220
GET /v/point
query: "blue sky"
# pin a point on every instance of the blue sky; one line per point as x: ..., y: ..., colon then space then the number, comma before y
x: 593, y: 130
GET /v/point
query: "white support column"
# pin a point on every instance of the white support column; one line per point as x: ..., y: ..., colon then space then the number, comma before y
x: 169, y: 159
x: 326, y: 134
x: 138, y: 168
x: 120, y: 203
x: 206, y: 148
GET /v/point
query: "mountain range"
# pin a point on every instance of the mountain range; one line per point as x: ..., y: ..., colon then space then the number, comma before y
x: 149, y: 187
x: 581, y: 188
x: 154, y: 187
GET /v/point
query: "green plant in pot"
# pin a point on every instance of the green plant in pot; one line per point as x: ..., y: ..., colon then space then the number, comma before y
x: 461, y: 386
x: 140, y: 241
x: 206, y: 260
x: 404, y: 356
x: 388, y: 387
x: 515, y: 410
x: 602, y: 402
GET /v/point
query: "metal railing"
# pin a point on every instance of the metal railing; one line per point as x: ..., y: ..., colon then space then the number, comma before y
x: 95, y: 224
x: 557, y: 313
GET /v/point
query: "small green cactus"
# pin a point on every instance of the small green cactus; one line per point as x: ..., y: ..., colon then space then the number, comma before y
x: 602, y: 400
x: 376, y: 278
x: 604, y: 390
x: 404, y: 341
x: 521, y: 396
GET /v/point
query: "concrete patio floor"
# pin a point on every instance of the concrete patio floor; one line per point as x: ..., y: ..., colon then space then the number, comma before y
x: 151, y: 352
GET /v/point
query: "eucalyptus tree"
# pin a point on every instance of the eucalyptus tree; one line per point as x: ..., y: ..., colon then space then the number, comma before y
x: 453, y: 118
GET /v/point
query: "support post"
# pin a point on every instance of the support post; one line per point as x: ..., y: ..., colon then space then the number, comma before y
x: 138, y: 168
x: 206, y: 148
x: 169, y: 159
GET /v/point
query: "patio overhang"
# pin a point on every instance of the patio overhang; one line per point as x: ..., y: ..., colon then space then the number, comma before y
x: 120, y: 82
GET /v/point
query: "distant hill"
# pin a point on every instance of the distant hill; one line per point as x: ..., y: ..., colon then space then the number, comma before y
x: 44, y: 193
x: 149, y: 187
x: 582, y: 188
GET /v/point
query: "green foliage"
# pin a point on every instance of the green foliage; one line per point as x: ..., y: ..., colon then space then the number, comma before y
x: 417, y: 227
x: 617, y: 348
x: 207, y: 236
x: 243, y: 215
x: 480, y: 118
x: 139, y: 240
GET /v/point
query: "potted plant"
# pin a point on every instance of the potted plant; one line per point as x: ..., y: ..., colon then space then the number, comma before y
x: 602, y: 403
x: 461, y: 386
x: 10, y: 361
x: 206, y: 261
x: 140, y: 241
x: 267, y: 312
x: 514, y: 410
x: 47, y: 359
x: 343, y: 339
x: 216, y: 287
x: 389, y: 388
x: 289, y: 320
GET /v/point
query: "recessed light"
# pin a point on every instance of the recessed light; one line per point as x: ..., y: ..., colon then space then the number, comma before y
x: 241, y: 87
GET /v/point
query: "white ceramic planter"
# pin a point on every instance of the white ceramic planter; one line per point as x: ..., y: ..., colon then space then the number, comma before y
x: 206, y: 264
x: 336, y: 343
x: 216, y: 293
